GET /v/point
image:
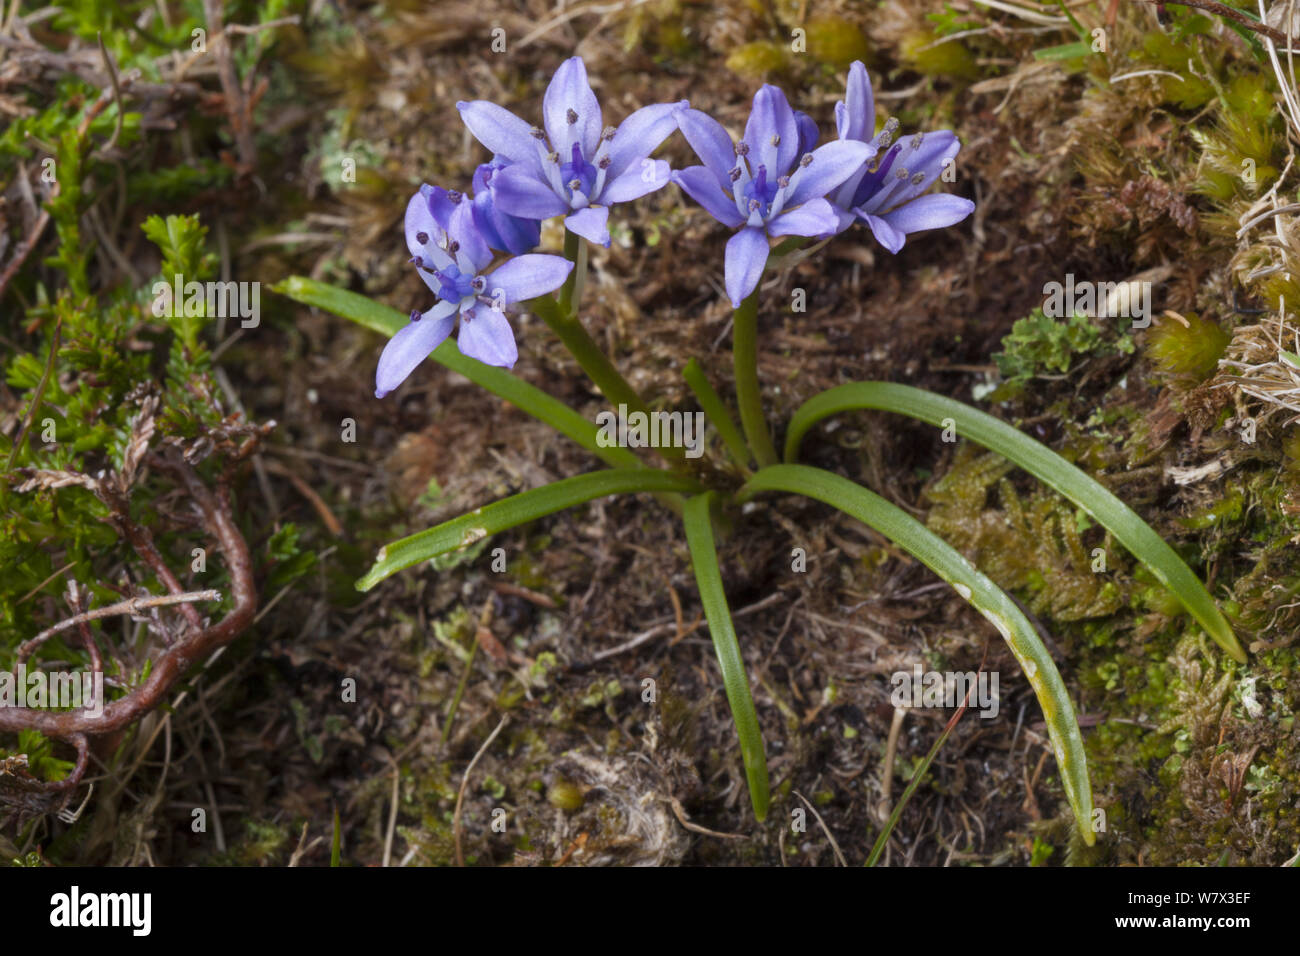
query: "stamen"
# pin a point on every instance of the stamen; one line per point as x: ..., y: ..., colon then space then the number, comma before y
x: 887, y: 134
x: 422, y: 238
x: 902, y: 173
x: 805, y: 160
x: 536, y: 133
x: 415, y: 315
x: 753, y: 205
x: 776, y: 139
x: 918, y: 178
x: 783, y: 181
x: 916, y: 141
x: 453, y: 247
x: 742, y: 148
x: 455, y: 195
x: 553, y: 157
x: 479, y: 284
x: 608, y: 132
x: 604, y: 162
x: 575, y: 184
x: 734, y: 174
x: 570, y: 116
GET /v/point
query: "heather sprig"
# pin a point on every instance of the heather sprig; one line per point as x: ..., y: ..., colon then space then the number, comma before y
x: 772, y: 184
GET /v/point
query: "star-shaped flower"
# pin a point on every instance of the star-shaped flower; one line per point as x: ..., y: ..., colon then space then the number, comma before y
x: 573, y: 166
x: 886, y: 193
x: 766, y: 185
x: 453, y: 258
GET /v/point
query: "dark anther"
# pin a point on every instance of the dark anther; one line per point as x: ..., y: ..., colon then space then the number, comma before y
x: 570, y: 116
x: 422, y: 237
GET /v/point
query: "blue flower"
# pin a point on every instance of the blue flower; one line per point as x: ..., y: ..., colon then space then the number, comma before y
x: 886, y: 192
x: 771, y: 183
x: 501, y: 230
x: 452, y: 256
x: 576, y: 167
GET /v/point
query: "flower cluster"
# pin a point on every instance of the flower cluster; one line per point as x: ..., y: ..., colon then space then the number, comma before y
x: 773, y: 182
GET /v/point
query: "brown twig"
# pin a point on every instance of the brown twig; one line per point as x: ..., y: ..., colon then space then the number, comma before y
x: 130, y: 606
x: 236, y: 106
x: 1219, y: 9
x: 171, y: 665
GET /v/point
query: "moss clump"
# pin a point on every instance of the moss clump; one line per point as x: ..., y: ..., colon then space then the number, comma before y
x: 1186, y: 349
x: 565, y: 795
x: 837, y: 42
x: 1031, y: 544
x: 759, y: 60
x: 927, y: 53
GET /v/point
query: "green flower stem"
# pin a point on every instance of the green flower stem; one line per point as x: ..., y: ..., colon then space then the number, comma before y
x: 704, y: 560
x: 575, y: 250
x: 590, y: 356
x: 716, y: 412
x: 744, y: 352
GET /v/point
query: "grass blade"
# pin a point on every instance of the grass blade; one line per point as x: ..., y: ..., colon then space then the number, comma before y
x: 498, y: 381
x: 1039, y: 460
x: 516, y: 510
x: 987, y: 598
x: 918, y: 774
x: 704, y: 559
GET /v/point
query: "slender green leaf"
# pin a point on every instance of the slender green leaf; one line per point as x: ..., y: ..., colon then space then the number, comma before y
x: 749, y: 394
x: 336, y: 844
x: 716, y: 412
x: 704, y: 559
x: 1040, y: 461
x: 516, y: 510
x: 388, y: 321
x: 1066, y: 51
x: 985, y: 596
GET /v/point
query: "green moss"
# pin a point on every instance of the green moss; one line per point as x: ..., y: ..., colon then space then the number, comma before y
x: 759, y: 60
x: 931, y: 55
x: 1187, y: 354
x: 837, y: 41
